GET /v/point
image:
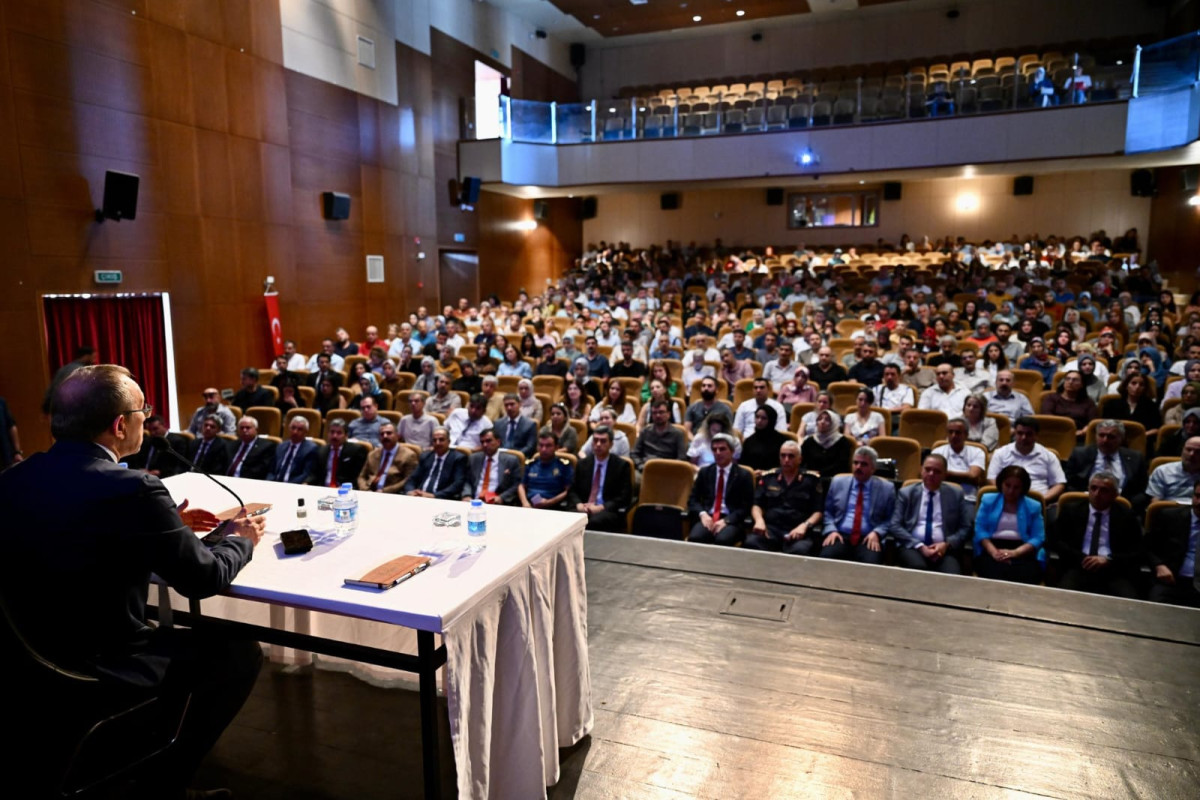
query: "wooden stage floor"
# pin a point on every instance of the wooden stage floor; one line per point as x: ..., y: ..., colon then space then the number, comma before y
x: 868, y: 682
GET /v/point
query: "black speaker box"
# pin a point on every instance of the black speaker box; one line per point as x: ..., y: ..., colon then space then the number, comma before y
x: 541, y: 209
x: 587, y: 207
x: 1023, y: 184
x: 775, y: 196
x: 669, y: 201
x: 1191, y: 179
x: 120, y: 196
x: 892, y: 190
x: 1141, y: 183
x: 335, y: 205
x: 470, y: 190
x: 578, y: 55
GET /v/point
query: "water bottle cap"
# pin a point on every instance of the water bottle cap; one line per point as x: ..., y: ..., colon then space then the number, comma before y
x: 343, y: 490
x: 475, y: 503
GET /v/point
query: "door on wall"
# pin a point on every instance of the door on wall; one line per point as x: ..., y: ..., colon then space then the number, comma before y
x: 458, y: 276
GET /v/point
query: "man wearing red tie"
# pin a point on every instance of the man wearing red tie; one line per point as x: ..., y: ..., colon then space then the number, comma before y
x: 858, y: 512
x: 721, y: 497
x: 252, y: 457
x: 603, y: 485
x: 492, y: 476
x: 339, y: 461
x: 388, y: 467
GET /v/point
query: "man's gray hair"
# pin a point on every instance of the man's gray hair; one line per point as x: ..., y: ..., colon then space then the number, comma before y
x: 490, y: 380
x: 868, y: 453
x: 252, y: 420
x: 727, y: 439
x: 1112, y: 425
x: 1107, y: 477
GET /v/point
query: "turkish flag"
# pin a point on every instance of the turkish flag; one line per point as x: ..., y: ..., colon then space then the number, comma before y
x: 272, y: 300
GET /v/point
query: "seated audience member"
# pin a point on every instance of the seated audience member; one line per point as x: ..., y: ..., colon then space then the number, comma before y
x: 945, y: 395
x: 251, y: 394
x: 734, y: 369
x: 1135, y: 403
x: 621, y: 445
x: 862, y: 424
x: 1171, y: 551
x: 869, y: 370
x: 825, y: 371
x: 1095, y: 376
x: 343, y: 346
x: 708, y: 403
x: 660, y: 372
x: 376, y: 360
x: 340, y: 461
x: 945, y: 355
x: 324, y: 369
x: 465, y: 424
x: 427, y: 380
x: 1175, y: 480
x: 1040, y: 360
x: 1099, y: 543
x: 492, y: 476
x: 548, y: 476
x: 598, y: 366
x: 787, y: 505
x: 743, y: 419
x: 1071, y: 401
x: 366, y: 427
x: 389, y: 466
x: 827, y: 451
x: 1189, y: 398
x: 964, y: 464
x: 441, y: 471
x: 530, y: 404
x: 516, y: 431
x: 783, y: 369
x: 660, y: 439
x: 980, y: 427
x: 760, y: 450
x: 858, y: 511
x: 1172, y: 444
x: 336, y: 362
x: 151, y: 458
x: 721, y: 497
x: 626, y: 366
x: 560, y: 426
x: 1006, y: 400
x: 296, y: 458
x: 699, y: 451
x: 495, y: 399
x: 932, y: 520
x: 443, y: 401
x: 893, y: 395
x: 614, y: 398
x: 1010, y: 530
x: 469, y: 381
x: 212, y: 405
x: 295, y: 361
x: 327, y: 398
x: 1041, y: 467
x: 658, y: 391
x: 797, y: 390
x: 603, y: 485
x: 551, y: 364
x: 513, y: 364
x: 250, y: 456
x: 368, y: 386
x: 915, y: 374
x: 208, y: 453
x: 972, y: 376
x: 1109, y: 454
x: 417, y: 427
x: 696, y: 369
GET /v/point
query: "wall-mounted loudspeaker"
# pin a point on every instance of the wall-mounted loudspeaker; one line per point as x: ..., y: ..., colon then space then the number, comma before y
x: 1191, y: 179
x: 587, y: 207
x: 891, y: 190
x: 335, y: 205
x: 470, y: 190
x: 775, y: 196
x: 120, y: 196
x: 1141, y: 183
x: 669, y: 201
x: 541, y: 209
x: 1022, y: 185
x: 578, y: 55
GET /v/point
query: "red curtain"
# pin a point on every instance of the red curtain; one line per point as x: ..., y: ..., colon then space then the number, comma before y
x: 125, y: 330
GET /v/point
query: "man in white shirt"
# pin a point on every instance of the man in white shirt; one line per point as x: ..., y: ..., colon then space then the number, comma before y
x: 607, y: 335
x: 695, y: 369
x: 295, y: 361
x: 402, y: 341
x: 969, y: 376
x: 965, y: 464
x: 893, y: 395
x: 465, y: 424
x: 453, y: 337
x: 335, y: 361
x: 702, y: 347
x: 944, y: 395
x: 1045, y: 470
x: 743, y: 418
x: 783, y: 369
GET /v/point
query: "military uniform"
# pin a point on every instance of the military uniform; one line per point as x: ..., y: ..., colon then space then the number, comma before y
x: 548, y: 480
x: 784, y: 506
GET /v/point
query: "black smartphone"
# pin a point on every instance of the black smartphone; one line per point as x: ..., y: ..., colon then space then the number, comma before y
x: 296, y: 542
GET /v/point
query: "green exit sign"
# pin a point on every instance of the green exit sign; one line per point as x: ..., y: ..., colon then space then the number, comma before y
x: 108, y: 276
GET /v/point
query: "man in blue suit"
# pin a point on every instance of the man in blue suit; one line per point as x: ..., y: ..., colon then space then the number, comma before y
x: 858, y: 512
x: 932, y: 520
x: 295, y: 459
x: 516, y: 432
x: 441, y: 473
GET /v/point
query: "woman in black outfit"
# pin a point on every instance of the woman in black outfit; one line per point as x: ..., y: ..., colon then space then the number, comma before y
x: 760, y: 451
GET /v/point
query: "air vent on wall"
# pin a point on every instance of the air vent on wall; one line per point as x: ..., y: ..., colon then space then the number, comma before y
x: 374, y: 269
x: 366, y: 52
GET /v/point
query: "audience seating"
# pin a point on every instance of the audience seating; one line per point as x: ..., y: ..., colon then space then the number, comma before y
x: 906, y: 452
x: 1135, y: 434
x: 665, y: 485
x: 1057, y: 433
x: 922, y: 425
x: 315, y: 423
x: 270, y: 420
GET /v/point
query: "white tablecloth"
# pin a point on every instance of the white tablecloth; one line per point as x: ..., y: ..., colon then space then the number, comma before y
x: 513, y: 618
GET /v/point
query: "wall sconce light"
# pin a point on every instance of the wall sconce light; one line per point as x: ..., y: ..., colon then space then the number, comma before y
x: 527, y: 225
x: 967, y: 202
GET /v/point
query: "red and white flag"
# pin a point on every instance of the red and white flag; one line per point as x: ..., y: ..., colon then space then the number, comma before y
x: 272, y: 301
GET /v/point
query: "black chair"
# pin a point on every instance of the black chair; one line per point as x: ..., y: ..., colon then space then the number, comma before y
x: 75, y: 735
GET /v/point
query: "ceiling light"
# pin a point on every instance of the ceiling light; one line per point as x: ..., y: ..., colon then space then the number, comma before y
x: 1120, y: 62
x: 696, y: 18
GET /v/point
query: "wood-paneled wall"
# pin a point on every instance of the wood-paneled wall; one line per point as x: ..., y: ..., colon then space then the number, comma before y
x: 233, y: 152
x: 511, y: 259
x: 533, y: 80
x: 1174, y: 236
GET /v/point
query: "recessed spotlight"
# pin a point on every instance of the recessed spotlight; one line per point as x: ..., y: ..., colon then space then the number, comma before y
x: 595, y: 16
x: 741, y: 13
x: 860, y: 183
x: 696, y: 18
x: 1120, y: 63
x: 612, y: 111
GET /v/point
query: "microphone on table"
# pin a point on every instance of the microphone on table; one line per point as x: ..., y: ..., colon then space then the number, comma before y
x: 164, y: 444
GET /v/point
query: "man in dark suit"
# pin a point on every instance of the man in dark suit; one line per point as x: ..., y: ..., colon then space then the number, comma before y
x: 208, y: 453
x: 1171, y: 550
x: 295, y: 459
x: 1100, y: 543
x: 76, y: 515
x: 339, y: 461
x: 1110, y: 455
x: 492, y: 476
x: 858, y: 512
x: 603, y: 487
x: 721, y: 497
x: 324, y: 370
x: 153, y: 459
x: 250, y: 456
x: 441, y: 472
x: 517, y: 432
x: 932, y: 520
x: 388, y: 466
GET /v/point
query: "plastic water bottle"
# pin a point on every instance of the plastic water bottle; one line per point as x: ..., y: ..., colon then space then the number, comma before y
x: 477, y: 526
x: 345, y: 511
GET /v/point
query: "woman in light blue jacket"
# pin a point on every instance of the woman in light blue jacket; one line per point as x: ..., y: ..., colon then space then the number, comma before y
x: 1010, y: 531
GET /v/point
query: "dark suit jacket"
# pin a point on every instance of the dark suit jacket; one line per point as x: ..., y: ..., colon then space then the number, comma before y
x: 617, y: 489
x: 450, y: 482
x: 1124, y: 536
x: 256, y: 463
x: 315, y: 378
x: 215, y: 461
x: 350, y: 463
x: 511, y: 469
x: 245, y: 398
x: 108, y: 529
x: 1166, y: 543
x: 524, y: 437
x: 149, y: 458
x: 739, y: 493
x: 958, y: 516
x: 304, y: 464
x: 404, y: 463
x: 1083, y: 460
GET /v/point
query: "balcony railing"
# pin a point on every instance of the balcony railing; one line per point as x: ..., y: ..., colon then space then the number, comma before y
x: 1168, y: 65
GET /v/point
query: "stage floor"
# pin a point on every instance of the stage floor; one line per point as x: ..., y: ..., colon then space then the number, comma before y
x: 868, y: 682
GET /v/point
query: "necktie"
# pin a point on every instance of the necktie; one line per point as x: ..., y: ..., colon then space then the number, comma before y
x: 332, y: 472
x: 434, y: 474
x: 512, y: 432
x: 1094, y: 547
x: 929, y: 521
x: 200, y: 453
x: 237, y: 461
x: 856, y: 528
x: 287, y: 461
x: 486, y: 484
x: 720, y: 500
x: 384, y: 463
x: 597, y: 476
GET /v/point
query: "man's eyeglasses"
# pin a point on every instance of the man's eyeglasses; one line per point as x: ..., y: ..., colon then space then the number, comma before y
x: 146, y: 409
